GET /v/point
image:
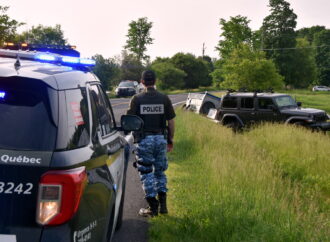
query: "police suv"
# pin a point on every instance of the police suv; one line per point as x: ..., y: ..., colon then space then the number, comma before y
x: 62, y: 159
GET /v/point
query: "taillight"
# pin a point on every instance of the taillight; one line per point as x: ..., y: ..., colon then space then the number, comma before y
x: 59, y: 195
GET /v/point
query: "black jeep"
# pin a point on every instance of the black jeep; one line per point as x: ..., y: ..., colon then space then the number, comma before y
x: 241, y: 109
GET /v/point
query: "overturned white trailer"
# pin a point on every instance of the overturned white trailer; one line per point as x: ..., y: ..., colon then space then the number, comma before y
x: 202, y: 102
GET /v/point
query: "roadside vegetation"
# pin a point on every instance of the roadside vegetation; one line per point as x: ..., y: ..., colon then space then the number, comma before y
x: 269, y: 184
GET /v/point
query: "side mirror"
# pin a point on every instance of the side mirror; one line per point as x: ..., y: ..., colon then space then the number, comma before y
x: 131, y: 123
x: 299, y: 104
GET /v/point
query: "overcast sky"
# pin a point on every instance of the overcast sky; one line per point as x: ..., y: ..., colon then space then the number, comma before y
x: 100, y: 26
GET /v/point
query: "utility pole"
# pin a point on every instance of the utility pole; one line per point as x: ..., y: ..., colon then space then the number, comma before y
x: 203, y: 51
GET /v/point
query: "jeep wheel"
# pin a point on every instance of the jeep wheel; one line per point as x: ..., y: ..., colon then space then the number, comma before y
x: 206, y: 108
x: 234, y: 125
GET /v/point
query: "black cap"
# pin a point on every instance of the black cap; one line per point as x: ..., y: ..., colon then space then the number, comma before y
x: 148, y: 76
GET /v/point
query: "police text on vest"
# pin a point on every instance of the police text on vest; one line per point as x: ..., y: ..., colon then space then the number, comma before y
x: 152, y: 109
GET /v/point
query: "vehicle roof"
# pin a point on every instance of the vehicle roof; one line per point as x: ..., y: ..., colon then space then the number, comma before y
x: 252, y: 94
x: 56, y: 76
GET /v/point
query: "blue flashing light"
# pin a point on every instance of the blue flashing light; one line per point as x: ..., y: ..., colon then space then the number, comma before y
x: 2, y: 95
x: 87, y: 62
x: 45, y: 57
x: 65, y: 60
x: 70, y: 60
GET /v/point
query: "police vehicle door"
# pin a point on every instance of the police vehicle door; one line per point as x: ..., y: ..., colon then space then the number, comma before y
x: 108, y: 138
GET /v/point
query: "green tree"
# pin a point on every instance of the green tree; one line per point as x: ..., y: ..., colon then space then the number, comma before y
x: 131, y: 67
x: 197, y: 71
x: 46, y: 35
x: 279, y: 37
x: 234, y: 32
x: 250, y: 69
x: 309, y: 33
x: 139, y: 37
x: 322, y: 56
x: 305, y: 67
x: 168, y: 77
x: 217, y: 74
x: 107, y: 70
x: 8, y: 26
x: 208, y: 60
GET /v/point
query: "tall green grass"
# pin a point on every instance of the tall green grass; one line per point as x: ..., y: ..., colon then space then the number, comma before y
x: 269, y: 184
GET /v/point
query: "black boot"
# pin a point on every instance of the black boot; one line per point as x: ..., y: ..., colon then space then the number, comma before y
x: 162, y: 202
x: 152, y: 210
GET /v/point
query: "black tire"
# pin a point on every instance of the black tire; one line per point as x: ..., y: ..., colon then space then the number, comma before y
x: 206, y: 108
x: 234, y: 125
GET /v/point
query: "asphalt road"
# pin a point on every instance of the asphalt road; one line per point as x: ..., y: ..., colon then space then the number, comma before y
x: 134, y: 227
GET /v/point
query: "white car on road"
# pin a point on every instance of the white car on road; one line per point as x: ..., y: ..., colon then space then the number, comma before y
x: 320, y: 88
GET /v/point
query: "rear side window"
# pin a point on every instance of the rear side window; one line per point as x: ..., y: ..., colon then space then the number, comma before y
x: 78, y: 121
x: 73, y: 119
x: 229, y: 102
x: 26, y: 118
x: 247, y: 103
x: 264, y: 103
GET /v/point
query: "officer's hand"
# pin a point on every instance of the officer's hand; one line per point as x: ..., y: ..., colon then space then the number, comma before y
x: 170, y: 147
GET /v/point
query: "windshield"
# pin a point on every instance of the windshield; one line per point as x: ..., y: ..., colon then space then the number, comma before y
x: 26, y: 121
x: 126, y: 84
x: 285, y: 101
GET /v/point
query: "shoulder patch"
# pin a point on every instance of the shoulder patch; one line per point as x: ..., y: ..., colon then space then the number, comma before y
x: 152, y: 109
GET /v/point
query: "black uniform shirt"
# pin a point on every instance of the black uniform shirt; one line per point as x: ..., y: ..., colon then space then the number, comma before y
x: 154, y: 108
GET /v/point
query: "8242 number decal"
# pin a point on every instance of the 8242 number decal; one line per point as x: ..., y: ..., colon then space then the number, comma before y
x: 11, y: 188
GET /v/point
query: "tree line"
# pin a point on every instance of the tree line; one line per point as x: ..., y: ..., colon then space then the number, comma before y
x: 276, y: 55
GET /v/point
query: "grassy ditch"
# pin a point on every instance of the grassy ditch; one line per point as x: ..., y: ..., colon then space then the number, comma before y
x: 269, y: 184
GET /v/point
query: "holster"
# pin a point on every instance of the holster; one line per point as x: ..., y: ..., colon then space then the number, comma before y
x: 138, y: 136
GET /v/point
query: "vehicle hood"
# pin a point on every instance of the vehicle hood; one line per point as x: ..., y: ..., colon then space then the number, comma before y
x: 303, y: 111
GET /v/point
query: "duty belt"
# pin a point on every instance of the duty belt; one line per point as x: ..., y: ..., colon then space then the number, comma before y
x: 146, y: 133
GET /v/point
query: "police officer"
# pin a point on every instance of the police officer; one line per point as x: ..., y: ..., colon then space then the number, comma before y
x: 157, y: 112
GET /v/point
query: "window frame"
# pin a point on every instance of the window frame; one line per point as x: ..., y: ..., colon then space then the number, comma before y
x: 232, y: 97
x: 253, y: 103
x: 266, y: 98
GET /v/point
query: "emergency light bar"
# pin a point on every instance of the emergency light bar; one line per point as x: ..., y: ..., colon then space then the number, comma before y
x: 66, y: 50
x: 48, y: 58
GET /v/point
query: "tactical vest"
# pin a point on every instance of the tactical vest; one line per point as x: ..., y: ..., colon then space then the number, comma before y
x: 151, y: 108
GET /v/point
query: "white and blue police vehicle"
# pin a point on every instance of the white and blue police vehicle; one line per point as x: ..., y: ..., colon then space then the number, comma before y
x: 63, y: 160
